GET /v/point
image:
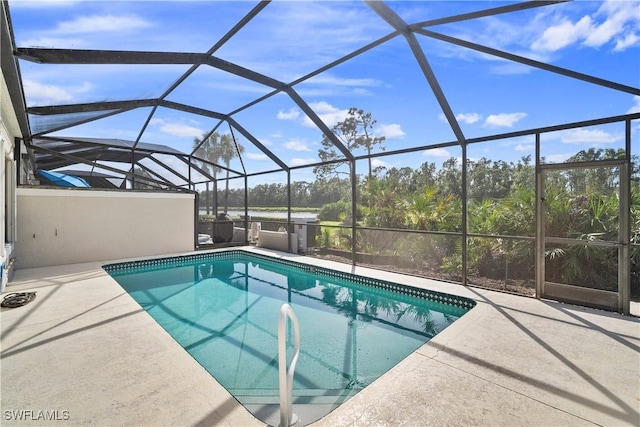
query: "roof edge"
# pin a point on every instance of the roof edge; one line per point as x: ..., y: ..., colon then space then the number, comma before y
x: 11, y: 71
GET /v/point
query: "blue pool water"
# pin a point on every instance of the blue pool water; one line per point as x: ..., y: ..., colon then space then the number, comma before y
x: 223, y: 309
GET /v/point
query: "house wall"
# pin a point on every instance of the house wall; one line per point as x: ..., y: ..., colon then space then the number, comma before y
x: 9, y: 131
x: 59, y: 226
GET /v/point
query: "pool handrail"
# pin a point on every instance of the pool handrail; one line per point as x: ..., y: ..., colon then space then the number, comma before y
x: 287, y: 417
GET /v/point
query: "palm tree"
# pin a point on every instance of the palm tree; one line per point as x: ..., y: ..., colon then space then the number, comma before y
x: 209, y: 151
x: 228, y: 150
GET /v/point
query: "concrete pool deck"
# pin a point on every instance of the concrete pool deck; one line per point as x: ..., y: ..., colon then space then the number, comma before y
x: 84, y: 352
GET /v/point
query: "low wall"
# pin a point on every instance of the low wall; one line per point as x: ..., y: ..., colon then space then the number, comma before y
x: 277, y: 240
x: 58, y: 226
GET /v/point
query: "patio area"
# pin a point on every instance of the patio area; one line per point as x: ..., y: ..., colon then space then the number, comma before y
x: 86, y: 352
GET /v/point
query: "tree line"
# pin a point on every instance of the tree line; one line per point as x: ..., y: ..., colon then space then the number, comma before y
x: 486, y: 179
x: 581, y: 203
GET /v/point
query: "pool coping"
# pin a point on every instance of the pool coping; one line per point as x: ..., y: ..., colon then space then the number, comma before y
x: 178, y: 261
x: 470, y: 364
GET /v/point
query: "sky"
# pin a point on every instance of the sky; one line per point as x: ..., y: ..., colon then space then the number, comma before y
x: 289, y: 39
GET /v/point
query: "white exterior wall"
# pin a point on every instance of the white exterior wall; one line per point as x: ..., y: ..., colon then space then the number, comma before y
x: 9, y: 130
x: 71, y: 226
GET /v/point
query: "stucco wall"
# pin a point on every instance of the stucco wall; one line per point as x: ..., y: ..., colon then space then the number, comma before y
x: 9, y: 130
x: 58, y: 227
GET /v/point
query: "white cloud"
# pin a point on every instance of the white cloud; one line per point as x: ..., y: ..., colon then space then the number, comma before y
x: 333, y: 29
x: 43, y: 3
x: 511, y: 35
x: 257, y: 156
x: 296, y: 145
x: 266, y: 142
x: 42, y: 94
x: 315, y: 34
x: 468, y: 118
x: 300, y: 161
x: 101, y: 23
x: 601, y: 34
x: 328, y: 85
x: 562, y: 35
x: 327, y: 79
x: 309, y: 92
x: 224, y: 82
x: 50, y: 42
x: 503, y: 120
x: 390, y: 131
x: 627, y: 41
x: 436, y: 152
x: 177, y: 129
x: 181, y: 130
x: 292, y: 114
x: 621, y: 21
x: 377, y: 163
x: 589, y: 137
x: 509, y: 69
x: 329, y: 114
x: 557, y: 158
x: 636, y: 105
x: 521, y: 147
x: 360, y: 91
x: 614, y: 22
x: 39, y: 94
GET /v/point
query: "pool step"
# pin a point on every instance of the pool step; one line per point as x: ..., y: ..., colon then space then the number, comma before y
x: 310, y: 397
x: 310, y: 406
x: 269, y: 413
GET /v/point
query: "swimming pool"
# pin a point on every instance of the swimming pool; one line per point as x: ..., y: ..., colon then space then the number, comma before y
x: 223, y: 309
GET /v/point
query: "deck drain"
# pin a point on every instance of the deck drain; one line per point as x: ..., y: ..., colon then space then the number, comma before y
x: 18, y: 299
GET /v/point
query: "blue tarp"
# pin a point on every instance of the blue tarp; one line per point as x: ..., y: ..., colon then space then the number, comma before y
x: 63, y: 180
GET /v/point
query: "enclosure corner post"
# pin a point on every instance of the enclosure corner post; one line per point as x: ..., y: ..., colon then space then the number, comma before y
x: 464, y: 213
x: 539, y: 223
x: 354, y: 210
x: 289, y: 233
x: 246, y: 208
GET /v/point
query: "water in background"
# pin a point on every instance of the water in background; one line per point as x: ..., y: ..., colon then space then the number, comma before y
x: 267, y: 214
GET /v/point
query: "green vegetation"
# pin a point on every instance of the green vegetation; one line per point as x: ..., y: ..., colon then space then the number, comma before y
x: 581, y: 203
x: 303, y: 194
x: 339, y: 211
x: 355, y: 131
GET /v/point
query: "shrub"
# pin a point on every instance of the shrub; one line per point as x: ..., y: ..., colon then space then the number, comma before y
x: 339, y: 211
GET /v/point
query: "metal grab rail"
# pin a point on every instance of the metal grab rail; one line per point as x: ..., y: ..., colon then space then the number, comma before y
x: 287, y: 417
